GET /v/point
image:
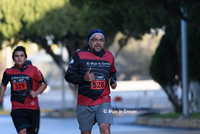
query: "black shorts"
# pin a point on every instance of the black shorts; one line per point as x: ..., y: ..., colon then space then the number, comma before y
x: 26, y: 118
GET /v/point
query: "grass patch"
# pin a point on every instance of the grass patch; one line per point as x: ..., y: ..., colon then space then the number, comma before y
x: 172, y: 116
x: 195, y: 116
x: 164, y: 116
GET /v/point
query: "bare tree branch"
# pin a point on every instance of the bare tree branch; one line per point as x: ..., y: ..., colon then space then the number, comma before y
x: 180, y: 16
x: 56, y: 58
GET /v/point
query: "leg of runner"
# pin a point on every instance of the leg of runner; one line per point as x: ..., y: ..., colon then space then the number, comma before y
x: 104, y: 128
x: 86, y: 132
x: 23, y: 131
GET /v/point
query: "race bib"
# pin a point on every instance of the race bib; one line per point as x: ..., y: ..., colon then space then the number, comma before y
x: 98, y: 84
x: 20, y: 86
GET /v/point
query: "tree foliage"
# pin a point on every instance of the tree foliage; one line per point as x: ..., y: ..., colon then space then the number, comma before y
x: 165, y: 67
x: 44, y: 21
x: 21, y: 20
x: 166, y: 70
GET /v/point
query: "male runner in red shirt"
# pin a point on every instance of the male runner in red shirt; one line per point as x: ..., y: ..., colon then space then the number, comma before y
x: 24, y: 79
x: 93, y: 69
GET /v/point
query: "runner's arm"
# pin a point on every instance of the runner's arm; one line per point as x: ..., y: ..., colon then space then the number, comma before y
x: 41, y: 88
x: 2, y: 91
x: 72, y: 74
x: 3, y: 86
x: 42, y: 85
x: 74, y: 78
x: 113, y: 80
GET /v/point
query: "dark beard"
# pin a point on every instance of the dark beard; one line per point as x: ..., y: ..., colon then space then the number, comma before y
x: 97, y: 51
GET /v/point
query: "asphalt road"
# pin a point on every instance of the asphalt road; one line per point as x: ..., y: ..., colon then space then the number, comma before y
x: 122, y: 125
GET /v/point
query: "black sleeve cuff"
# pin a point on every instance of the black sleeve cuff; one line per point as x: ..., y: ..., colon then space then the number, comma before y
x: 75, y: 79
x: 113, y: 75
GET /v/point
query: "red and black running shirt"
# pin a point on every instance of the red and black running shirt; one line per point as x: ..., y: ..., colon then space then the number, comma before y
x: 102, y: 65
x: 22, y: 81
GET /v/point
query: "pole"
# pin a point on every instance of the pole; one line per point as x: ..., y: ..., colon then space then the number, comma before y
x: 62, y: 79
x: 184, y: 63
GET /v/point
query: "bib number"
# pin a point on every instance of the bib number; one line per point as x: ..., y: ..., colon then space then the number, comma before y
x: 98, y: 84
x: 20, y: 86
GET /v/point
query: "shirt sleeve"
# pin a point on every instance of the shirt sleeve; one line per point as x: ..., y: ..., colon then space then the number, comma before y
x: 5, y: 79
x: 72, y: 75
x: 113, y: 70
x: 37, y: 75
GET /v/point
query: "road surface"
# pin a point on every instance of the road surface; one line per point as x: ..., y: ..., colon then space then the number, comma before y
x: 122, y: 125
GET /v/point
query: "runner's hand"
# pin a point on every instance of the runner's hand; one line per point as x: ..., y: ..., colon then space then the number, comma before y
x: 89, y: 76
x: 33, y: 94
x: 113, y: 85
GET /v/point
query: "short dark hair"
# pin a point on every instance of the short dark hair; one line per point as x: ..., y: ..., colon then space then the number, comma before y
x: 19, y: 48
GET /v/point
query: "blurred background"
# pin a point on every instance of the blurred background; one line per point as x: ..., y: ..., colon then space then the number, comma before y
x: 144, y: 37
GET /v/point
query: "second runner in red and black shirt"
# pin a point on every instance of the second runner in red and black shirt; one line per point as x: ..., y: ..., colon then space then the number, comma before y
x: 102, y: 65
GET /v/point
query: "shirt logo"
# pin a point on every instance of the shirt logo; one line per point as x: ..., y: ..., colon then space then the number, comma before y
x: 98, y: 64
x: 32, y: 102
x: 72, y: 61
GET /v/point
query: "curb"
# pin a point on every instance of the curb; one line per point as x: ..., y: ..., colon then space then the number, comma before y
x: 4, y: 112
x: 181, y: 123
x: 41, y: 111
